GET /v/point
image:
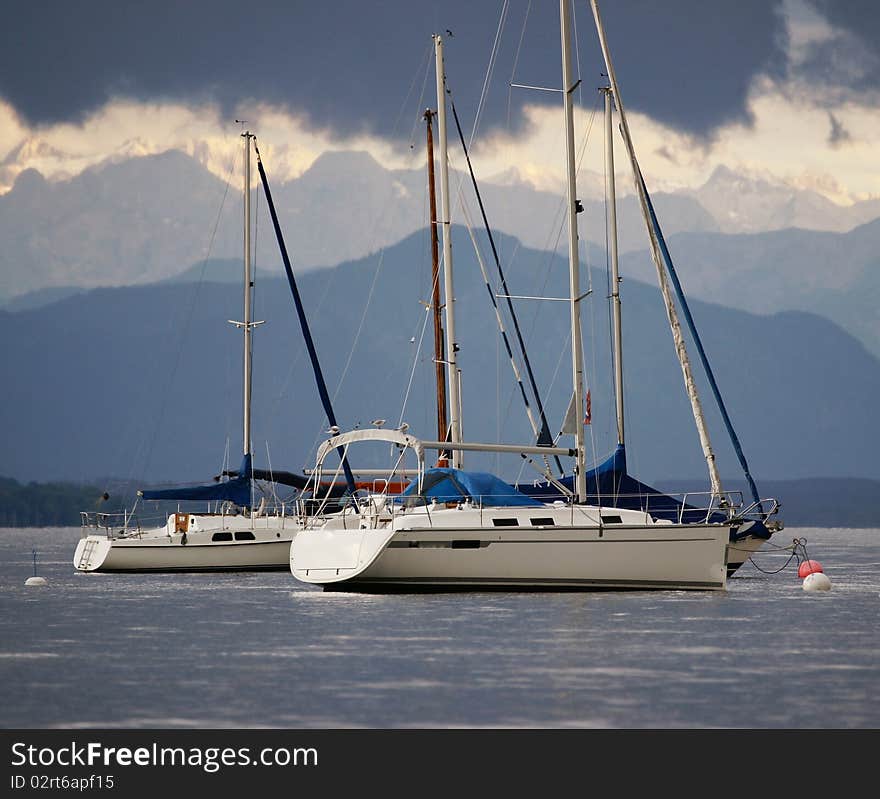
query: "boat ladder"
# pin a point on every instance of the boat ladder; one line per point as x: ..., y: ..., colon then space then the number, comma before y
x: 86, y: 554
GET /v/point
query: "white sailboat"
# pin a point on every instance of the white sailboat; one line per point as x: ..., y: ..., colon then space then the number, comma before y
x: 453, y: 528
x: 755, y: 522
x: 241, y: 532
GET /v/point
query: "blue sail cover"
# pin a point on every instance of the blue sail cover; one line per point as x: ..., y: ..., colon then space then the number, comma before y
x: 237, y: 490
x: 453, y: 485
x: 609, y: 484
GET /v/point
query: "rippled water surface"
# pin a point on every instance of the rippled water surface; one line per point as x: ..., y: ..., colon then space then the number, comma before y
x: 254, y: 650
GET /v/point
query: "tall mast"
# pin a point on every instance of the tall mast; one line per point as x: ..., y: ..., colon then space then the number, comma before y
x: 568, y: 87
x: 440, y: 372
x: 611, y: 203
x: 451, y: 345
x: 248, y: 286
x: 657, y: 256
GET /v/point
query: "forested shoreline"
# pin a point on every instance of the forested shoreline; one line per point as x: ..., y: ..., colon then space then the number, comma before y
x: 815, y: 502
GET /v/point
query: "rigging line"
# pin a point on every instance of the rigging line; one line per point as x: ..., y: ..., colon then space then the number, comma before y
x: 166, y: 395
x: 516, y: 60
x: 734, y: 439
x: 416, y: 359
x: 535, y: 427
x: 589, y: 270
x: 313, y: 356
x: 577, y: 53
x: 607, y: 181
x: 608, y: 287
x: 393, y: 471
x: 490, y: 68
x: 559, y: 360
x: 300, y: 351
x: 662, y: 273
x: 361, y: 324
x: 552, y: 254
x: 256, y: 230
x: 544, y: 436
x: 516, y: 372
x: 429, y: 378
x: 426, y: 69
x: 272, y: 490
x: 382, y: 249
x: 418, y: 350
x: 330, y: 483
x: 551, y: 251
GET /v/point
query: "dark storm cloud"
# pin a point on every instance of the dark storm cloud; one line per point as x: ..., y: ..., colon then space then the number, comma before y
x: 349, y: 65
x: 849, y: 62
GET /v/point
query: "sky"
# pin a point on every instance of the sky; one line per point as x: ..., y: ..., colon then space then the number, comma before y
x: 785, y: 89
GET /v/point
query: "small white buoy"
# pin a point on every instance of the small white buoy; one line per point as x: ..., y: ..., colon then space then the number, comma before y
x: 817, y: 581
x: 35, y: 580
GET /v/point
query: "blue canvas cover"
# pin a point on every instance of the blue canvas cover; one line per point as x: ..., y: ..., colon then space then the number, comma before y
x: 609, y: 484
x: 237, y: 490
x: 454, y: 485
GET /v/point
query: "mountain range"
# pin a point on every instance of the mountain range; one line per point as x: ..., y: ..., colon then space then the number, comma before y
x: 144, y: 382
x: 739, y: 240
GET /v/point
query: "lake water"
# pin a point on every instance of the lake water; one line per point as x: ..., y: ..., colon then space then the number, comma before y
x: 261, y: 650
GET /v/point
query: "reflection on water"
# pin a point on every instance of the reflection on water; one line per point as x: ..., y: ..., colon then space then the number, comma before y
x: 252, y: 650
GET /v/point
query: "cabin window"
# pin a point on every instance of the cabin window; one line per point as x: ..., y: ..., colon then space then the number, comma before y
x: 221, y: 537
x: 244, y: 535
x: 505, y: 522
x: 612, y: 520
x: 542, y: 522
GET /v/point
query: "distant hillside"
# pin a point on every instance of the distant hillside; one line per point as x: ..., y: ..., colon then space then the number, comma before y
x: 816, y: 502
x: 152, y: 217
x: 836, y: 275
x: 741, y: 203
x: 166, y: 217
x: 145, y: 383
x: 812, y: 502
x: 45, y: 504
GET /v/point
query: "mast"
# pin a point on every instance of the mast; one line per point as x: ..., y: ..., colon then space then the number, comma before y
x: 568, y: 87
x: 248, y: 286
x: 451, y: 345
x: 657, y: 255
x: 611, y: 204
x: 440, y: 373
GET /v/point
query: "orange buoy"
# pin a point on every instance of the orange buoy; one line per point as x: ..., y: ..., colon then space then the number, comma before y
x: 809, y: 567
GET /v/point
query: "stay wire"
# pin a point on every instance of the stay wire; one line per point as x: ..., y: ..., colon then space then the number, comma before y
x: 516, y: 61
x: 490, y: 69
x: 545, y: 430
x: 188, y: 316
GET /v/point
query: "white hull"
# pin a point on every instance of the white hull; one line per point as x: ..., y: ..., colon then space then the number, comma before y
x: 462, y: 548
x: 223, y: 544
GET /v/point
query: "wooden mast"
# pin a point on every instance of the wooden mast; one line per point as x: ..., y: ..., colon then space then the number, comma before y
x: 439, y: 359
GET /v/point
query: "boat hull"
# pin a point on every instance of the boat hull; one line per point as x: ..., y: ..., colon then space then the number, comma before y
x: 157, y: 551
x: 661, y: 557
